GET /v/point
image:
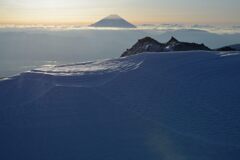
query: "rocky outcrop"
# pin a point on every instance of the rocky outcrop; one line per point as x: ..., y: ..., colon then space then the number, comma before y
x: 148, y: 44
x: 174, y: 45
x: 226, y: 49
x: 235, y: 47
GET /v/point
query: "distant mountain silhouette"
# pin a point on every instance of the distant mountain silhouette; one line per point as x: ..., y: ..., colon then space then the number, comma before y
x: 113, y: 21
x: 235, y: 47
x: 148, y: 44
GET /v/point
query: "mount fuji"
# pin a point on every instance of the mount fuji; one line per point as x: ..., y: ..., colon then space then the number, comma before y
x: 114, y: 21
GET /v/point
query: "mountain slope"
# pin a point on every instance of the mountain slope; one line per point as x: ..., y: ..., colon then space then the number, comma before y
x: 113, y: 21
x: 168, y: 106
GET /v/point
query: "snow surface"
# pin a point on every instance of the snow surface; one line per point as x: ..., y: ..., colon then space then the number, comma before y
x: 168, y: 106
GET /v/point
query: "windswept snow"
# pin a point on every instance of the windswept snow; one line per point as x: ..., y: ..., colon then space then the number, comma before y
x: 88, y: 68
x: 223, y: 54
x: 168, y: 106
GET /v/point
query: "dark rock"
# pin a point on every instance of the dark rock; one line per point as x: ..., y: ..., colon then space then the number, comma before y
x: 226, y: 49
x: 183, y: 46
x: 173, y: 40
x: 148, y: 44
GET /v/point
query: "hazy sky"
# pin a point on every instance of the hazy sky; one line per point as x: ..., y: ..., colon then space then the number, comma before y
x: 136, y: 11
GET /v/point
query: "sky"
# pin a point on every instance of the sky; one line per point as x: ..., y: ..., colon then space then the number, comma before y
x: 135, y: 11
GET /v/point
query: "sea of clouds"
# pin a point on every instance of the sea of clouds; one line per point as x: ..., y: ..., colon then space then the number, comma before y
x: 24, y: 48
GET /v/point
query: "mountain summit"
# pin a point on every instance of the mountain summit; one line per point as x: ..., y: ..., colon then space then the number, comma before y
x: 113, y: 21
x: 173, y: 40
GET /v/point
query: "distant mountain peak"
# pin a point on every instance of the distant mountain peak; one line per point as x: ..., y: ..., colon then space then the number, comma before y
x: 113, y: 16
x: 113, y: 20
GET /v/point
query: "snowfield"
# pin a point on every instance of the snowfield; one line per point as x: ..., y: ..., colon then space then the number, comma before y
x: 151, y: 106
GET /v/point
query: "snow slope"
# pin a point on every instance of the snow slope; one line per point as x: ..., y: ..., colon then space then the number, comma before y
x: 168, y: 106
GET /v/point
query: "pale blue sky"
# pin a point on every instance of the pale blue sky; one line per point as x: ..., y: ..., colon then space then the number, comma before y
x: 137, y: 11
